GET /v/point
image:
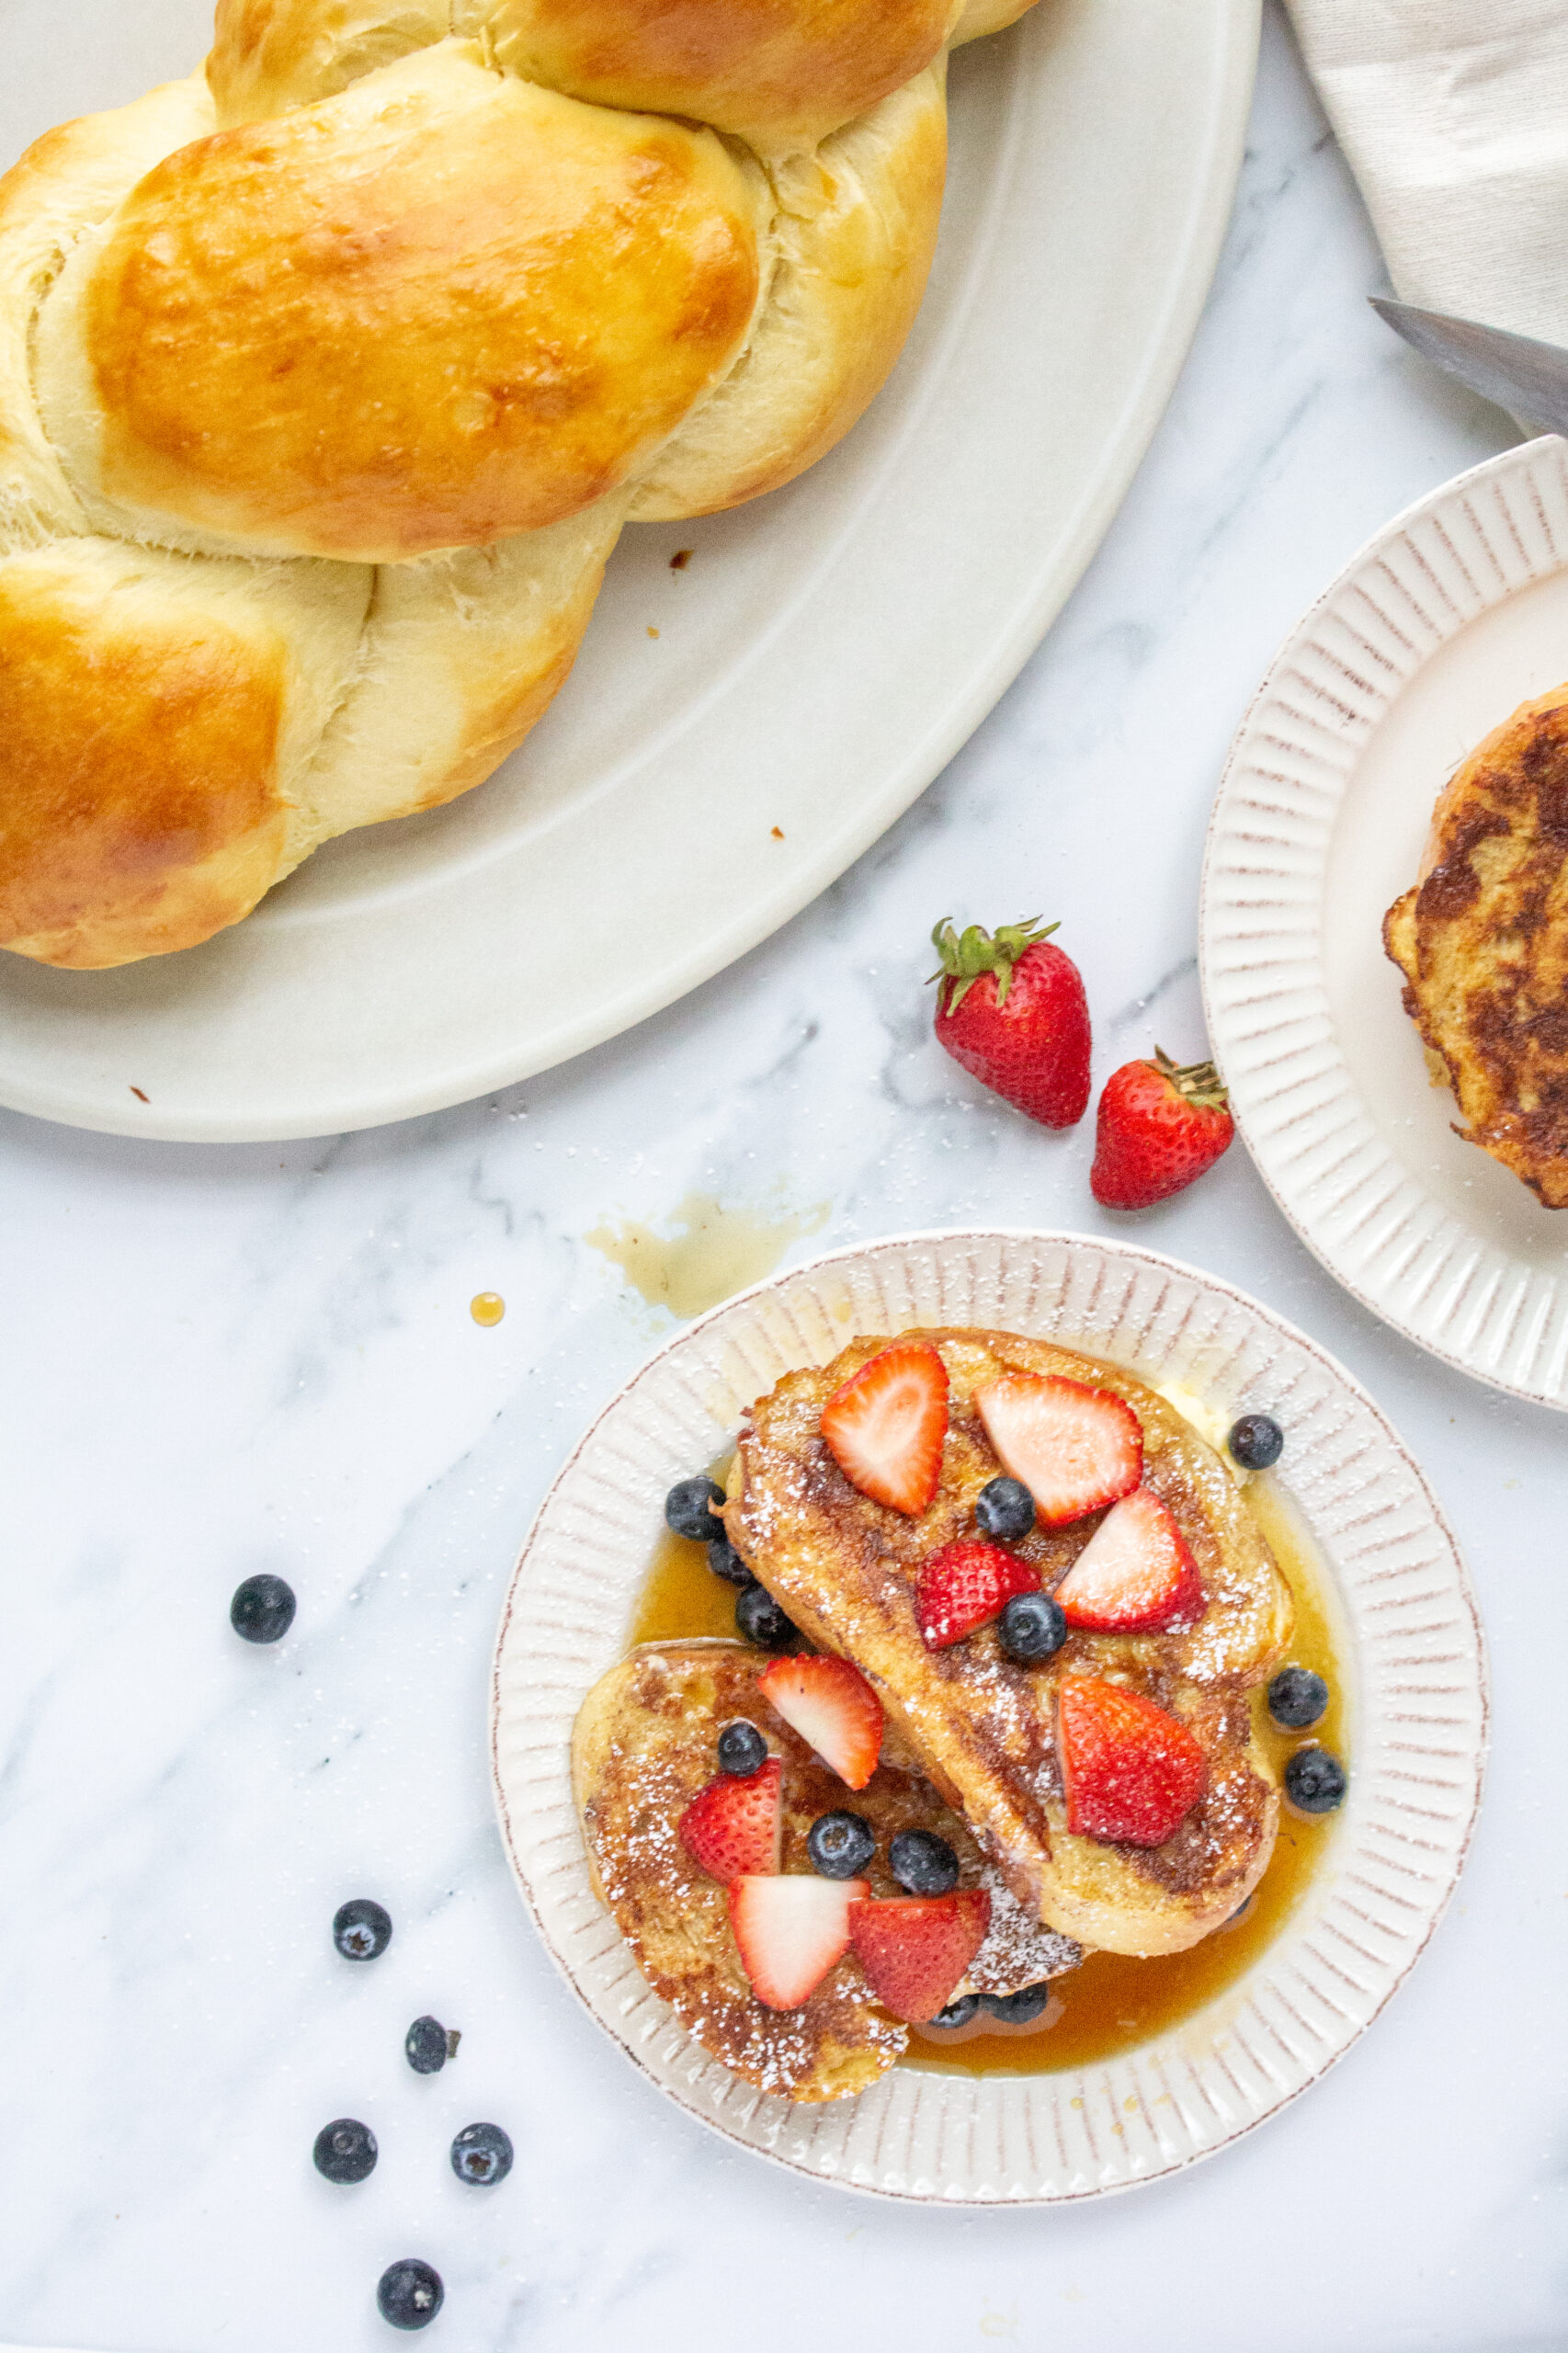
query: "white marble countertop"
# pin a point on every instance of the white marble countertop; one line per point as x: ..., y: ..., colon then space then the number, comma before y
x: 220, y: 1361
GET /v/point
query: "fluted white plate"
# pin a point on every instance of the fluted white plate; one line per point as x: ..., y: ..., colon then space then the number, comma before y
x: 1416, y: 1696
x: 736, y: 733
x: 1442, y: 625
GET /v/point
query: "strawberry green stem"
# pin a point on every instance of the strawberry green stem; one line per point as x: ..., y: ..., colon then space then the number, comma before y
x: 966, y: 956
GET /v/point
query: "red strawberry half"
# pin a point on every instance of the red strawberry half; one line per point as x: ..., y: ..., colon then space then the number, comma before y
x: 1135, y: 1574
x: 1011, y: 1009
x: 885, y: 1427
x: 962, y: 1586
x: 914, y: 1949
x: 1075, y: 1448
x: 830, y: 1704
x: 790, y: 1932
x: 1131, y: 1772
x: 732, y: 1825
x: 1157, y: 1128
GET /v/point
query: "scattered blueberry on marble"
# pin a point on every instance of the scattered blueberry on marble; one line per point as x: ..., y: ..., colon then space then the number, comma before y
x: 760, y: 1620
x: 1004, y: 1510
x: 1297, y: 1699
x: 482, y: 2153
x: 1021, y: 2008
x: 1315, y: 1780
x: 361, y: 1929
x: 742, y: 1749
x: 957, y: 2013
x: 1031, y: 1627
x: 726, y: 1562
x: 345, y: 2149
x: 687, y: 1508
x: 924, y: 1863
x: 262, y: 1610
x: 1256, y: 1441
x: 429, y: 2045
x: 840, y: 1844
x: 410, y: 2293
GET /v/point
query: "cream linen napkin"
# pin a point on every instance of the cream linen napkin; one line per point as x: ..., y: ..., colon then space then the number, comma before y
x: 1453, y: 115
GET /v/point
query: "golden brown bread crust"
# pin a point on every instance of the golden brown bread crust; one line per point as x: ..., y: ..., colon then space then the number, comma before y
x: 440, y: 310
x: 271, y: 55
x: 853, y: 232
x: 982, y: 1728
x: 778, y: 73
x: 346, y: 298
x: 1482, y: 940
x: 133, y: 750
x: 149, y: 726
x: 642, y: 1747
x: 475, y: 642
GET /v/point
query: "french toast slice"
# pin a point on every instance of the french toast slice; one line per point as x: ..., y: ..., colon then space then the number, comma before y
x: 1482, y: 939
x: 982, y: 1727
x: 644, y: 1746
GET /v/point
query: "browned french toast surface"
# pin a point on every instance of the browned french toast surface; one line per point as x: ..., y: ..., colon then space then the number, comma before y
x: 1482, y: 942
x: 982, y: 1728
x: 644, y: 1746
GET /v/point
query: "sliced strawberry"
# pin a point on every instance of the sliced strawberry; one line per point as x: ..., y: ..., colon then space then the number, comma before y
x: 1129, y: 1770
x: 790, y: 1932
x: 962, y: 1586
x: 914, y: 1949
x: 830, y: 1704
x: 1135, y: 1574
x: 1075, y: 1448
x: 885, y: 1427
x: 732, y: 1827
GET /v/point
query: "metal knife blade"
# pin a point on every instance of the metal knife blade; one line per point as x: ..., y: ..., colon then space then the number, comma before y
x: 1528, y: 377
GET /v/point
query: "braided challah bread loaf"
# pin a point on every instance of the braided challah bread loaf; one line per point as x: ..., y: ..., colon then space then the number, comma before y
x: 329, y: 379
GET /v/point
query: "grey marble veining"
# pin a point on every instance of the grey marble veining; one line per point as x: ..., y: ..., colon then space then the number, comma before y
x: 219, y: 1361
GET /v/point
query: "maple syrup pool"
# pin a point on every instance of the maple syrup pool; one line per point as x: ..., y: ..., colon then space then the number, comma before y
x: 1110, y: 2004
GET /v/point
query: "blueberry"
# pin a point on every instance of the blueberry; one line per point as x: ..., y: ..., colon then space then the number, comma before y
x: 1315, y: 1782
x: 760, y: 1620
x: 361, y: 1930
x: 957, y: 2013
x: 742, y: 1749
x: 840, y: 1844
x: 1031, y: 1627
x: 1021, y: 2008
x: 428, y: 2046
x: 1256, y: 1440
x: 410, y: 2293
x: 482, y: 2153
x: 262, y: 1610
x: 1003, y: 1510
x: 726, y: 1562
x: 1297, y: 1698
x: 924, y: 1863
x: 345, y: 2149
x: 687, y: 1508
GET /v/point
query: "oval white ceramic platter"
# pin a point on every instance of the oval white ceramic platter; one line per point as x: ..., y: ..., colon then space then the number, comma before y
x: 1408, y: 1637
x: 1441, y: 626
x: 822, y: 655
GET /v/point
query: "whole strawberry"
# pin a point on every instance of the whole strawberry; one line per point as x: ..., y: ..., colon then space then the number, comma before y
x: 1011, y: 1008
x: 1158, y: 1128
